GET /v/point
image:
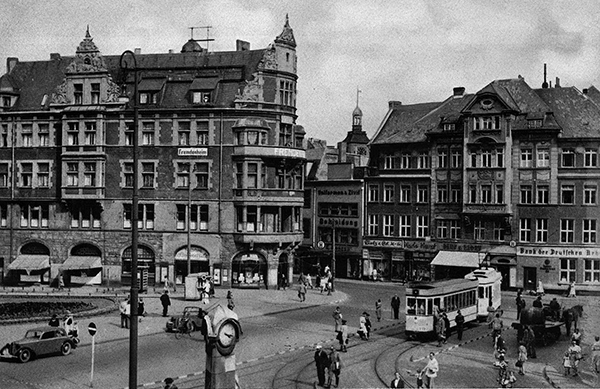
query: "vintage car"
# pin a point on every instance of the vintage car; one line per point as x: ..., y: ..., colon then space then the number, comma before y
x: 195, y: 315
x: 40, y: 341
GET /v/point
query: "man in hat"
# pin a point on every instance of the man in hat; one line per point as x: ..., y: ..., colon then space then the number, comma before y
x: 169, y: 383
x: 322, y: 362
x: 335, y: 367
x: 165, y: 301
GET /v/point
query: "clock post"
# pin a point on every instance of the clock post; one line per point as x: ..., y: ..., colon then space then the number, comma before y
x: 222, y: 331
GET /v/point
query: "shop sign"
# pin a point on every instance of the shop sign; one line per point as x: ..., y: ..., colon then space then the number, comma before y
x: 383, y: 243
x: 192, y: 152
x: 344, y: 222
x: 365, y: 254
x: 420, y: 245
x: 560, y: 252
x: 338, y: 192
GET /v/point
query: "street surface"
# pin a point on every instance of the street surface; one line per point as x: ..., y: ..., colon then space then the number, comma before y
x: 276, y: 350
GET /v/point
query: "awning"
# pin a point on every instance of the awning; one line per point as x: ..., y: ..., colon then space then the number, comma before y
x: 29, y: 262
x: 151, y: 84
x: 204, y: 83
x: 456, y: 258
x: 77, y: 262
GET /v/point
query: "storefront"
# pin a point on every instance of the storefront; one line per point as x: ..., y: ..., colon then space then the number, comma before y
x: 199, y: 263
x: 31, y: 268
x: 249, y: 270
x: 83, y: 266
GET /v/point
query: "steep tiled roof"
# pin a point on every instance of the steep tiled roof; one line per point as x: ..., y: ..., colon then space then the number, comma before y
x: 578, y: 115
x: 449, y: 110
x: 38, y: 78
x: 398, y: 127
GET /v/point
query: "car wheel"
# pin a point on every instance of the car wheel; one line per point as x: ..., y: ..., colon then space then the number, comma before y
x: 24, y: 355
x: 65, y: 349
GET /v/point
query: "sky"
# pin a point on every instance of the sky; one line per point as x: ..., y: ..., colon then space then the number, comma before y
x: 411, y: 51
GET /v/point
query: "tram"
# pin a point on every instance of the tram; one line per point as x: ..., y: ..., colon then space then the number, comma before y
x: 471, y: 295
x: 488, y: 291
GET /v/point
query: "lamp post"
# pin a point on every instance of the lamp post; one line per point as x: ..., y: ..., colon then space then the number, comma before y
x: 133, y: 323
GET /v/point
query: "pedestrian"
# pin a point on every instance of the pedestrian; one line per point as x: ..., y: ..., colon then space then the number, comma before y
x: 430, y: 370
x: 368, y: 324
x: 397, y: 382
x: 169, y: 383
x: 165, y: 301
x: 522, y: 358
x: 321, y: 361
x: 302, y: 292
x: 128, y: 313
x: 572, y: 292
x: 567, y: 364
x: 123, y: 312
x: 206, y: 292
x: 61, y: 281
x: 440, y: 329
x: 491, y: 312
x: 460, y: 322
x: 54, y: 322
x: 343, y: 336
x: 230, y: 303
x: 362, y: 327
x: 576, y: 336
x: 529, y: 339
x: 520, y: 303
x: 395, y: 306
x: 337, y: 317
x: 318, y: 282
x: 166, y: 284
x: 335, y: 367
x: 596, y: 359
x: 447, y: 326
x: 574, y: 357
x: 537, y: 303
x: 329, y: 283
x: 540, y: 288
x: 555, y: 309
x: 141, y: 309
x: 378, y: 309
x: 497, y: 326
x: 309, y: 281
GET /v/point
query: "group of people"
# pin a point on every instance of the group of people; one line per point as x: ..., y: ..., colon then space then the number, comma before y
x: 329, y: 366
x: 125, y: 311
x: 69, y: 323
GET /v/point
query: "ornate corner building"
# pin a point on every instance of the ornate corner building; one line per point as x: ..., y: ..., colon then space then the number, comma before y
x: 220, y: 165
x: 507, y: 176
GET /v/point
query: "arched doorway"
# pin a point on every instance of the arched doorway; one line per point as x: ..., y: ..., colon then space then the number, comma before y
x: 31, y: 265
x: 200, y: 262
x: 83, y: 266
x: 146, y: 261
x: 248, y: 270
x: 283, y: 271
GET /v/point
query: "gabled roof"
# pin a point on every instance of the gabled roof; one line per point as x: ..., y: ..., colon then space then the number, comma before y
x: 577, y: 115
x: 397, y: 127
x: 449, y: 111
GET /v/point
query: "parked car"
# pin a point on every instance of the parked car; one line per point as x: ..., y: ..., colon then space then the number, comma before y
x: 195, y: 314
x: 40, y: 341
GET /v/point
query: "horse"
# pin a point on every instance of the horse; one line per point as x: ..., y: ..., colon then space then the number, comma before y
x: 572, y: 315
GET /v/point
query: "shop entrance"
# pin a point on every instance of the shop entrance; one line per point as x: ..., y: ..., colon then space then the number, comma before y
x: 529, y: 278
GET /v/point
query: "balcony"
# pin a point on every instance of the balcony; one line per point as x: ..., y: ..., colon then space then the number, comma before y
x: 79, y: 193
x: 269, y: 152
x: 270, y: 195
x: 494, y: 209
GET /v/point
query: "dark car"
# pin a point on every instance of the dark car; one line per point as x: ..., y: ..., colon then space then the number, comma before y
x: 195, y: 315
x: 40, y: 341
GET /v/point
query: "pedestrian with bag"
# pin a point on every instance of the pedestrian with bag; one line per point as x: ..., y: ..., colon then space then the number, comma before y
x: 440, y: 329
x: 335, y: 368
x: 430, y: 370
x: 395, y: 306
x: 460, y: 322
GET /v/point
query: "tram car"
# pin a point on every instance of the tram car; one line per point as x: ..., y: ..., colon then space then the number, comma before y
x: 471, y: 295
x: 488, y: 291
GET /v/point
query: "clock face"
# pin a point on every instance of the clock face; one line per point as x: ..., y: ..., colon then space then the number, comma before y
x: 226, y: 338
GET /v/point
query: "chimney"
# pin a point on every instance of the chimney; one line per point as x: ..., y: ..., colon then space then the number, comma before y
x: 11, y: 62
x: 54, y: 56
x: 395, y: 104
x: 137, y: 51
x: 170, y: 51
x: 585, y: 91
x: 458, y: 91
x: 557, y: 83
x: 241, y: 45
x: 545, y: 83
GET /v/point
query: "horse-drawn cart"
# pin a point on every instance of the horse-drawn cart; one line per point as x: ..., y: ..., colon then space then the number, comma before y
x: 546, y: 331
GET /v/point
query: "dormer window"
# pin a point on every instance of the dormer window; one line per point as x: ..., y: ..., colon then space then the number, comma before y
x: 6, y: 101
x: 149, y: 89
x: 201, y: 90
x: 449, y: 126
x: 148, y: 98
x: 78, y: 93
x: 487, y: 123
x: 536, y: 123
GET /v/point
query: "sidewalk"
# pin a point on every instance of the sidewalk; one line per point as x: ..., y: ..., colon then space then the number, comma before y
x: 248, y: 303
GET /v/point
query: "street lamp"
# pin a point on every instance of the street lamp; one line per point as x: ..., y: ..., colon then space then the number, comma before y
x: 133, y: 325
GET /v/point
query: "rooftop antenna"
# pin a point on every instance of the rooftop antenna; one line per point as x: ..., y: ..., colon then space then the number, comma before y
x: 208, y: 38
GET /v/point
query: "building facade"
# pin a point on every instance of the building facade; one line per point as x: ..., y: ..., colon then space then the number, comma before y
x: 220, y: 165
x: 506, y: 176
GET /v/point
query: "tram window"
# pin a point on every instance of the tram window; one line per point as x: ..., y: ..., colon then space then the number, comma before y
x: 481, y: 292
x: 411, y: 306
x: 453, y: 302
x: 421, y: 307
x: 429, y: 307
